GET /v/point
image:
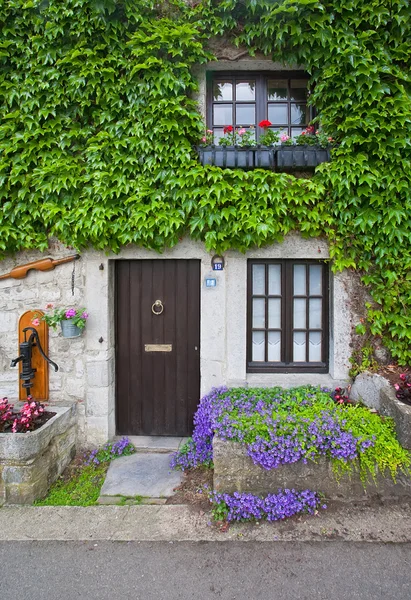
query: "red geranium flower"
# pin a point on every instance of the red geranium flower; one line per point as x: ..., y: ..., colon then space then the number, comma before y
x: 228, y: 129
x: 264, y: 124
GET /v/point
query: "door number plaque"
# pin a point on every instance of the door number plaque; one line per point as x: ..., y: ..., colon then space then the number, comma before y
x: 158, y: 347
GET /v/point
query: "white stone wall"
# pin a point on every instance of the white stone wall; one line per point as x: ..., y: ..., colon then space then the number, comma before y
x: 87, y: 364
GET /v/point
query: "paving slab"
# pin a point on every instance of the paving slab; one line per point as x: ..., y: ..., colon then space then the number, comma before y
x: 142, y: 474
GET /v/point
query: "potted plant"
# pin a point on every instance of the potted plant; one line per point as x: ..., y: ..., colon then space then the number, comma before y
x: 72, y: 320
x: 307, y: 151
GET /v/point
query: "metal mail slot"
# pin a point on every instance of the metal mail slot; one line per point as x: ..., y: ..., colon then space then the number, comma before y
x: 158, y: 347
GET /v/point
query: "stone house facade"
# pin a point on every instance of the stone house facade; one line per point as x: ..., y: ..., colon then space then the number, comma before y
x: 247, y: 323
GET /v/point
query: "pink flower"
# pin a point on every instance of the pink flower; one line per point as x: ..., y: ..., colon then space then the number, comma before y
x: 49, y: 305
x: 284, y: 137
x: 71, y: 312
x: 35, y: 322
x: 84, y: 315
x: 403, y: 377
x: 241, y: 131
x: 397, y: 387
x: 204, y: 139
x: 209, y: 131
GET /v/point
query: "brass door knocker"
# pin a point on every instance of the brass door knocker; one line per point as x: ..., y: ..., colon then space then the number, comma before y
x: 157, y: 307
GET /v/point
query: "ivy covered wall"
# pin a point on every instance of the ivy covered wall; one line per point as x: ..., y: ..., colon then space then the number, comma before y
x: 98, y: 127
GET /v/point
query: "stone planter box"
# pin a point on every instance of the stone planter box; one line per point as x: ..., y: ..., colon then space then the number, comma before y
x: 294, y: 158
x: 31, y: 462
x: 234, y: 471
x: 233, y: 157
x: 390, y: 406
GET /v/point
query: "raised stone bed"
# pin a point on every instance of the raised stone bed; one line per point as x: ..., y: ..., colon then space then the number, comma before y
x: 31, y: 462
x: 234, y: 471
x: 390, y: 406
x: 367, y: 388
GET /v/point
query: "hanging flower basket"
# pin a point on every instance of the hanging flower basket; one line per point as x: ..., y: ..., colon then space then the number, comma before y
x: 294, y: 158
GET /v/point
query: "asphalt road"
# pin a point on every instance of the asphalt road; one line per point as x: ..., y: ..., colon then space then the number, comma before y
x: 204, y: 570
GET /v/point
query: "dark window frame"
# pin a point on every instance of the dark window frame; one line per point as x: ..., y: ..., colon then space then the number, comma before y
x: 287, y: 325
x: 261, y: 97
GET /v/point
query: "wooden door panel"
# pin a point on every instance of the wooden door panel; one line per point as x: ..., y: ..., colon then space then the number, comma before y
x: 157, y: 392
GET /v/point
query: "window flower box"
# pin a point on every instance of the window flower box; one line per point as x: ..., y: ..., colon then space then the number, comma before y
x: 294, y: 158
x: 233, y: 157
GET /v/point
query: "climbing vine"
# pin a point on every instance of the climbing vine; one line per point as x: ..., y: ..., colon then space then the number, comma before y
x: 98, y: 125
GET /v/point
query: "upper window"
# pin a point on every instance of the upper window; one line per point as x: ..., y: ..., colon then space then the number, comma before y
x: 244, y: 99
x: 287, y: 316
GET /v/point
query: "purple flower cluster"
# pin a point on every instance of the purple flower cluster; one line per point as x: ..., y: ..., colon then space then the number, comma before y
x: 299, y: 439
x: 109, y: 451
x: 287, y: 438
x: 286, y: 503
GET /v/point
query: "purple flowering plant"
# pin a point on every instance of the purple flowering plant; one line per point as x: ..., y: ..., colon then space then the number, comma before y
x: 242, y: 506
x: 280, y: 426
x: 109, y: 451
x: 54, y: 315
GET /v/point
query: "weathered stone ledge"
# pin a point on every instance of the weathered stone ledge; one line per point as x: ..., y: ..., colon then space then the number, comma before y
x: 390, y: 406
x: 31, y: 462
x: 234, y: 471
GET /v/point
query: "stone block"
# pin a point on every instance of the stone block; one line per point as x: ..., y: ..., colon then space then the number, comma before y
x: 98, y: 373
x: 234, y: 471
x: 8, y: 321
x: 367, y: 387
x: 401, y: 413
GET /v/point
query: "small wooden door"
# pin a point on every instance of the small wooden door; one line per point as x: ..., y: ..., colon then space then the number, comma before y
x: 157, y: 346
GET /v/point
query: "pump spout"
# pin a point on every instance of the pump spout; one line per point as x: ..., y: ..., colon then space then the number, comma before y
x: 16, y: 360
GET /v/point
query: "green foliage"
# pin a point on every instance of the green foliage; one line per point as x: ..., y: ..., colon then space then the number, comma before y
x: 82, y: 489
x: 98, y: 126
x: 363, y: 360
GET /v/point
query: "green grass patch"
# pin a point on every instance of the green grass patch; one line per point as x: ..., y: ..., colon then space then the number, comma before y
x: 81, y: 485
x: 82, y: 489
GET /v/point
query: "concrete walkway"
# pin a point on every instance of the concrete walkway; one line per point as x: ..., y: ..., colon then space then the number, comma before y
x: 387, y: 523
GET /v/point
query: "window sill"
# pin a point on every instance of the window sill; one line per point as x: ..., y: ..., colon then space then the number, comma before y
x: 278, y: 158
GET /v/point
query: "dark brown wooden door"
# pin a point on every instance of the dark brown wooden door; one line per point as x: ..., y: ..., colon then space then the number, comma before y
x: 157, y: 355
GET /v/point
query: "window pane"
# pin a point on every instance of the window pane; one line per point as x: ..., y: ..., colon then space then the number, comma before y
x: 314, y: 347
x: 298, y: 90
x: 222, y: 91
x: 245, y: 90
x: 299, y: 280
x: 278, y: 114
x: 258, y: 280
x: 296, y: 131
x: 258, y: 349
x: 223, y: 114
x: 258, y: 313
x: 218, y: 134
x: 300, y: 313
x: 299, y: 114
x: 274, y: 313
x: 245, y: 114
x: 274, y: 280
x: 315, y: 313
x: 299, y: 346
x: 277, y: 89
x: 274, y: 346
x: 316, y: 280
